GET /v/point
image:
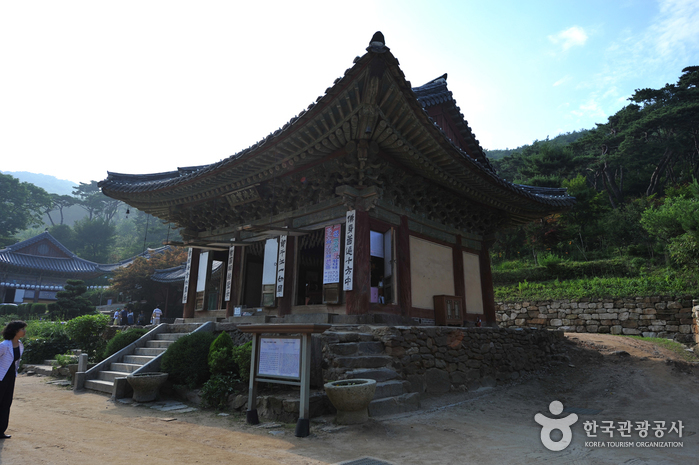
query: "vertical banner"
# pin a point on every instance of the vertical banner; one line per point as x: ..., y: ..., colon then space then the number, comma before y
x: 281, y: 265
x: 185, y: 291
x: 348, y: 278
x: 331, y: 267
x: 229, y: 272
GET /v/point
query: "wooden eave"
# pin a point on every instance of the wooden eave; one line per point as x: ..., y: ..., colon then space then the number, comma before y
x: 359, y: 106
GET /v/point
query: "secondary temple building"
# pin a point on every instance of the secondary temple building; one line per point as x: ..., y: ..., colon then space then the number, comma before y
x: 376, y: 203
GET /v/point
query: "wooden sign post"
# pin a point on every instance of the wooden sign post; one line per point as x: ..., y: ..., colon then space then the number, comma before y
x: 283, y: 356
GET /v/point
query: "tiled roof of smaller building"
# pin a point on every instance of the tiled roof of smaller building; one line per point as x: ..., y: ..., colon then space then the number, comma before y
x: 148, y: 253
x: 16, y: 257
x: 169, y: 275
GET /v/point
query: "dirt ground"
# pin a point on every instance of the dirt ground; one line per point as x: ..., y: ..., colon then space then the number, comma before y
x: 51, y: 425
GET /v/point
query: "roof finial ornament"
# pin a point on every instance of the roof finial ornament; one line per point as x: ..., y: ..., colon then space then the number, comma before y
x: 377, y: 44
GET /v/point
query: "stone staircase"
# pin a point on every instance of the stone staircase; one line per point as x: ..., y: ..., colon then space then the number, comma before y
x: 128, y: 363
x: 354, y: 354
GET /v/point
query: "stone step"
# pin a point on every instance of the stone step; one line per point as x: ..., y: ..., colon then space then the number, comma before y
x: 357, y: 348
x: 363, y: 361
x: 393, y: 405
x: 379, y: 374
x: 139, y: 359
x: 110, y: 375
x: 52, y: 363
x: 125, y: 367
x: 169, y: 336
x: 99, y: 385
x: 150, y: 351
x: 159, y: 344
x: 391, y: 388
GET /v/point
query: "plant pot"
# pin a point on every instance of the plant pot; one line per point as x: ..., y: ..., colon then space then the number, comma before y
x: 146, y: 385
x: 351, y: 398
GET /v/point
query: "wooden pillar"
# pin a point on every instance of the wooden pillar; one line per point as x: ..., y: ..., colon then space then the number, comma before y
x: 405, y: 296
x: 285, y: 303
x: 487, y: 285
x: 458, y: 259
x: 359, y: 298
x: 238, y: 260
x: 188, y: 311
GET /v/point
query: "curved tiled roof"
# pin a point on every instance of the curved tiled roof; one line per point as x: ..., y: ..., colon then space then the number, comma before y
x: 69, y: 263
x: 311, y: 134
x: 108, y: 268
x: 176, y: 274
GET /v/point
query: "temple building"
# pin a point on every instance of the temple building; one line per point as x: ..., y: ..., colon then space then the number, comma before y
x: 35, y: 269
x: 375, y: 204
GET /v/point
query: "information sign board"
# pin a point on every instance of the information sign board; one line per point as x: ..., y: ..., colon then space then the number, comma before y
x: 280, y: 357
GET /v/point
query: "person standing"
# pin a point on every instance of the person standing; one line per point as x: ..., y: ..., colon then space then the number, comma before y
x: 129, y: 317
x: 155, y: 317
x: 124, y: 317
x: 117, y: 317
x: 141, y: 319
x: 11, y: 350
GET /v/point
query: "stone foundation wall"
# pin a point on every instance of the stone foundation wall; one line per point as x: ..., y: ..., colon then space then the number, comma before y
x: 439, y: 359
x: 657, y: 316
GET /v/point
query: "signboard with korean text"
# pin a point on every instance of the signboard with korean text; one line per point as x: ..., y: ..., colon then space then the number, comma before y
x: 280, y: 357
x: 331, y: 259
x: 229, y: 272
x: 281, y: 265
x: 348, y: 266
x: 187, y: 269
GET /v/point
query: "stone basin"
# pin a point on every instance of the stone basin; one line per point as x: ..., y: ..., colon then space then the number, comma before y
x: 351, y: 398
x: 146, y: 385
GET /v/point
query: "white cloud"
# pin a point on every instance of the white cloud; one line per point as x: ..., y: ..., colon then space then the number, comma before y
x: 563, y: 80
x: 571, y: 37
x: 678, y: 26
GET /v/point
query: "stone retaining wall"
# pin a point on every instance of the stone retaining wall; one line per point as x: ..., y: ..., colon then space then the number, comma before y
x: 669, y: 317
x: 439, y: 359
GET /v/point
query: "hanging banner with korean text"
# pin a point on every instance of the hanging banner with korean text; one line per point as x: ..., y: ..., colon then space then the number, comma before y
x: 185, y: 291
x: 348, y: 271
x: 281, y: 265
x: 331, y: 267
x: 229, y: 272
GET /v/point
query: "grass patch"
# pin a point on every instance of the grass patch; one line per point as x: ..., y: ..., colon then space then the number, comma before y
x: 610, y: 287
x: 669, y: 344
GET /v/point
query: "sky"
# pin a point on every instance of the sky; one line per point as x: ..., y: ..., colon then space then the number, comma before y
x: 146, y: 86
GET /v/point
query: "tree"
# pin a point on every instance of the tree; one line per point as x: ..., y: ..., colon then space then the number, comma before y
x: 134, y: 279
x: 65, y: 235
x: 21, y: 206
x: 70, y: 302
x: 59, y: 202
x: 95, y: 239
x: 94, y: 202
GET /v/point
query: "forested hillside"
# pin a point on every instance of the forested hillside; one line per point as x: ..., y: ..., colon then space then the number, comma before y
x: 105, y: 233
x: 634, y: 178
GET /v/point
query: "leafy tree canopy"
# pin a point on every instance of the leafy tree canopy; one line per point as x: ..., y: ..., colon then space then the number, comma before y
x: 21, y: 206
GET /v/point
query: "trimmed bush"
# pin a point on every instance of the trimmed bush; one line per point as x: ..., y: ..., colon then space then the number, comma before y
x: 123, y: 339
x: 38, y: 309
x: 242, y: 356
x: 87, y: 333
x: 221, y: 355
x: 44, y: 340
x: 186, y: 360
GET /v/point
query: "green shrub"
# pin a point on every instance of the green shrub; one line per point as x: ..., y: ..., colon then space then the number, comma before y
x: 38, y: 309
x: 186, y: 360
x: 38, y: 349
x: 549, y: 260
x: 566, y: 271
x: 86, y: 332
x: 242, y: 356
x: 214, y: 393
x: 66, y: 359
x: 221, y: 355
x: 123, y: 339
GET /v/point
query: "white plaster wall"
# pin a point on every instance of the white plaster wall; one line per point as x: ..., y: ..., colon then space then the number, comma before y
x: 472, y: 283
x: 431, y: 271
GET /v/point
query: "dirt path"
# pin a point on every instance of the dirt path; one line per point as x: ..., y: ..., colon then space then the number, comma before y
x: 51, y: 425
